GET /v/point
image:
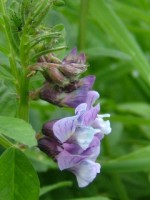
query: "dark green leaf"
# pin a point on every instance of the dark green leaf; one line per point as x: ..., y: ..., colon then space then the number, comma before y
x: 18, y: 180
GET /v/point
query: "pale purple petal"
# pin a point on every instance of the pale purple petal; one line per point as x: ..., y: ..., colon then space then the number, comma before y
x: 80, y: 109
x: 88, y: 81
x: 83, y: 136
x: 72, y: 148
x: 103, y: 126
x: 91, y: 98
x: 89, y: 116
x: 64, y: 128
x: 73, y: 51
x: 76, y: 97
x: 85, y: 172
x: 93, y: 150
x: 66, y: 160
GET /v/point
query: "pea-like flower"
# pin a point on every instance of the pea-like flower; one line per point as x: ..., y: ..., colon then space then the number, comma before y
x: 72, y: 95
x: 74, y: 142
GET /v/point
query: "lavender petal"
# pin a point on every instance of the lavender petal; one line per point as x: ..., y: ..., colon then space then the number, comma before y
x: 85, y: 172
x: 64, y: 128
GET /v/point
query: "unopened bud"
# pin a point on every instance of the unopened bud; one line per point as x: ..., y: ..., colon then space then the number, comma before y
x: 61, y: 73
x: 49, y: 146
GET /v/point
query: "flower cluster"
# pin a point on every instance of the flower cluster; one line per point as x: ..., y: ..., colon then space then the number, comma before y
x: 63, y: 86
x: 74, y: 142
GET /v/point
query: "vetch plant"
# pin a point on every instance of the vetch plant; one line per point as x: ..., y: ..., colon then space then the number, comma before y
x: 73, y: 142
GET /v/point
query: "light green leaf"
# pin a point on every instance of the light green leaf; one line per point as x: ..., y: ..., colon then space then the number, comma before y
x: 49, y: 188
x: 3, y: 50
x: 141, y: 109
x: 18, y: 130
x: 7, y: 99
x: 103, y: 51
x: 129, y: 119
x: 131, y: 12
x: 106, y: 18
x: 133, y: 162
x: 18, y: 180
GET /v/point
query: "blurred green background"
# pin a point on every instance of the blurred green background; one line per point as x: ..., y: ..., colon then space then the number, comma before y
x: 115, y: 36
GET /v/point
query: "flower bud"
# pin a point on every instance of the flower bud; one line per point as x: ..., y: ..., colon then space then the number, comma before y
x: 47, y: 128
x: 49, y: 146
x: 58, y: 72
x: 73, y: 64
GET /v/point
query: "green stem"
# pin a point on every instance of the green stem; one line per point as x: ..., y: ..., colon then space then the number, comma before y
x: 23, y: 111
x: 120, y: 189
x: 4, y: 142
x: 83, y: 24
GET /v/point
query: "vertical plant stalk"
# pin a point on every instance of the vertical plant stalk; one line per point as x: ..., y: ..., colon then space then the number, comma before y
x: 83, y: 23
x: 23, y: 112
x: 11, y: 56
x: 40, y: 11
x: 22, y: 83
x: 120, y: 189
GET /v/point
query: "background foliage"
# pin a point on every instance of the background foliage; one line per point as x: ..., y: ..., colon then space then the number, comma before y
x: 115, y: 36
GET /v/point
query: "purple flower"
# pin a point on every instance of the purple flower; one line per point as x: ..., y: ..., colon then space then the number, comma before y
x: 77, y: 140
x: 72, y: 95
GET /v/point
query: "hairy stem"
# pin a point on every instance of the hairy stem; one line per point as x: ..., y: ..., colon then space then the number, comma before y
x: 23, y: 112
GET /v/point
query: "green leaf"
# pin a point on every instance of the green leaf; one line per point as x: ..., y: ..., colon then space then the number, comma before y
x: 106, y: 18
x: 49, y: 188
x: 141, y: 109
x: 18, y: 130
x: 129, y: 119
x: 133, y: 162
x: 8, y: 104
x: 5, y: 73
x: 18, y: 180
x: 103, y: 51
x: 131, y: 12
x: 3, y: 50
